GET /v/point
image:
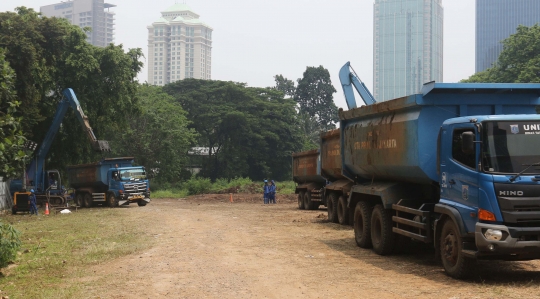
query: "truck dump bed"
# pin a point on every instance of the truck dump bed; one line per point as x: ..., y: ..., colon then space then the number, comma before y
x: 307, y: 167
x: 397, y: 139
x: 331, y: 155
x: 94, y: 175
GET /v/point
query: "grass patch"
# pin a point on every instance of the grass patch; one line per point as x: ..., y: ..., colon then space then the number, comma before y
x: 57, y: 248
x: 169, y: 193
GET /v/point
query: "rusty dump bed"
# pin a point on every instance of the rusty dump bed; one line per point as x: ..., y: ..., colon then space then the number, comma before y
x: 397, y: 139
x: 94, y: 175
x: 331, y: 155
x: 307, y: 167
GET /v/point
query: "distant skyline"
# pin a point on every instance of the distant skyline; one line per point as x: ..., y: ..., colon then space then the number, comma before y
x: 254, y: 40
x: 408, y: 46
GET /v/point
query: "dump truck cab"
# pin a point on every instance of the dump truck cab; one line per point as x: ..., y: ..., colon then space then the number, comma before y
x: 490, y: 173
x: 129, y: 184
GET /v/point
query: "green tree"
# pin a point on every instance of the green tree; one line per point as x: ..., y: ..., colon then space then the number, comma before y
x: 285, y: 85
x: 314, y: 95
x: 11, y: 137
x: 158, y: 136
x: 519, y: 62
x: 49, y: 55
x: 250, y: 132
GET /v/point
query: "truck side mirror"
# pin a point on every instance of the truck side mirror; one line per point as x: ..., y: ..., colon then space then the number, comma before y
x: 467, y: 142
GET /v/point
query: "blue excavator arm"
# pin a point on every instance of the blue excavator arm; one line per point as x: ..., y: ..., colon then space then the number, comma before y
x: 35, y: 170
x: 348, y: 80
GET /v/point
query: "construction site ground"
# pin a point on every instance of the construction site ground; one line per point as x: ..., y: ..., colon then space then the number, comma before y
x: 207, y: 247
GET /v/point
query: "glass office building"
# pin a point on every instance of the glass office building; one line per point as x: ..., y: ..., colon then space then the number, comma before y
x: 407, y: 46
x: 496, y: 20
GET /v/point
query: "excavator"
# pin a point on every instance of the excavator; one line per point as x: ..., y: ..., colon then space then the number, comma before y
x: 47, y: 184
x: 349, y: 78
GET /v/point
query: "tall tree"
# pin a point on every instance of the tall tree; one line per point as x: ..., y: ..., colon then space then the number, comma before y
x: 249, y: 131
x: 11, y: 137
x: 49, y: 55
x: 285, y: 85
x: 519, y: 62
x: 314, y: 94
x: 158, y: 136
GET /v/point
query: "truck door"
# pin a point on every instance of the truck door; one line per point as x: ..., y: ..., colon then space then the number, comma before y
x: 459, y: 179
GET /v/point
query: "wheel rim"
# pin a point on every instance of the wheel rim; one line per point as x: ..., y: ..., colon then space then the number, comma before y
x: 450, y: 250
x: 330, y: 207
x: 306, y: 201
x: 340, y: 211
x: 300, y: 200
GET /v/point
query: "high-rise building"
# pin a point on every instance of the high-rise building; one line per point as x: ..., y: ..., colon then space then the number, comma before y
x: 86, y: 13
x: 407, y: 46
x: 496, y: 20
x: 179, y: 47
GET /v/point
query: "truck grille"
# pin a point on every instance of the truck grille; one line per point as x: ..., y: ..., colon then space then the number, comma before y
x: 138, y: 187
x: 520, y: 204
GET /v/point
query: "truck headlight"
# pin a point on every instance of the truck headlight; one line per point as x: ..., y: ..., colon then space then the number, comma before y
x: 493, y: 234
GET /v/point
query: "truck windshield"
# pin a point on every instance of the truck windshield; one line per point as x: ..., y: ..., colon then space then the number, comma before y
x: 133, y: 174
x: 509, y: 147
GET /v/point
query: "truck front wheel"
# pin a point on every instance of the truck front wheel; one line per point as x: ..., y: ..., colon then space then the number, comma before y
x: 382, y: 236
x: 343, y: 213
x: 141, y: 203
x: 362, y: 224
x: 301, y: 200
x: 454, y: 262
x: 79, y: 199
x: 87, y: 200
x: 331, y: 206
x: 111, y: 200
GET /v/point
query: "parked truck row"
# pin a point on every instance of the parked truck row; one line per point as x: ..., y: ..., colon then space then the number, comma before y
x: 112, y: 181
x: 455, y: 166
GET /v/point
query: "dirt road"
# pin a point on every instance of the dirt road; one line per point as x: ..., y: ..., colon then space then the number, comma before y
x: 206, y: 247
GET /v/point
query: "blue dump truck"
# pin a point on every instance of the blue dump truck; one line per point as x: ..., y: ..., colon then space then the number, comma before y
x: 111, y: 181
x: 456, y: 166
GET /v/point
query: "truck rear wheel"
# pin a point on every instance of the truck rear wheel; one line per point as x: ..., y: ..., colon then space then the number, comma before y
x: 451, y: 244
x: 331, y: 206
x: 382, y: 236
x: 307, y: 200
x: 79, y: 199
x: 87, y: 200
x: 13, y: 211
x: 362, y: 224
x: 342, y: 212
x: 301, y: 200
x: 111, y: 200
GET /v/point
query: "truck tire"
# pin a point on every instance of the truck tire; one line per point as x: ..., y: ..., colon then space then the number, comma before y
x: 362, y: 224
x: 87, y: 200
x: 343, y: 213
x: 307, y: 200
x: 454, y: 262
x: 141, y: 203
x: 79, y: 198
x: 301, y: 200
x: 331, y: 206
x: 111, y: 200
x: 13, y: 211
x: 382, y: 237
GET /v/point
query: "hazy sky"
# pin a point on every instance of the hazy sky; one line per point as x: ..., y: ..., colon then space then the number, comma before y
x: 253, y: 40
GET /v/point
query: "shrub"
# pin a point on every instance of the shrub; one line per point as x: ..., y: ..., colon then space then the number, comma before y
x: 9, y: 244
x: 197, y: 185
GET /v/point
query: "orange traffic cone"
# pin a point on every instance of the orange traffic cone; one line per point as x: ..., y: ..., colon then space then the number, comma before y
x: 230, y: 198
x: 46, y: 208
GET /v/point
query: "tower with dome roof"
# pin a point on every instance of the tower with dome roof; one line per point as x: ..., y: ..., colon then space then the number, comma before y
x: 179, y: 46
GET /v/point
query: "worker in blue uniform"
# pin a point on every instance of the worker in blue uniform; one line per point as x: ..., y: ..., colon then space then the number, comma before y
x: 266, y: 191
x: 272, y: 192
x: 32, y: 201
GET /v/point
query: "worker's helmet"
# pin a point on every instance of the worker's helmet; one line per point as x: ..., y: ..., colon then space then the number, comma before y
x: 32, y: 190
x: 266, y: 181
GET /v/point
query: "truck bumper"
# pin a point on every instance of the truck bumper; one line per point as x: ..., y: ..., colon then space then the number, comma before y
x: 516, y: 243
x: 126, y: 199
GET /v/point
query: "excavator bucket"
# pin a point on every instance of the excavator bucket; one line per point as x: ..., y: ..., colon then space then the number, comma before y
x: 102, y: 146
